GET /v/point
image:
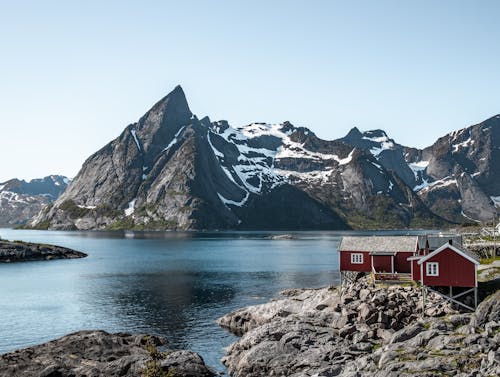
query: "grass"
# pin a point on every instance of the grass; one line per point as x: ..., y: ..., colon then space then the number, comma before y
x: 152, y: 367
x: 376, y: 346
x: 489, y: 260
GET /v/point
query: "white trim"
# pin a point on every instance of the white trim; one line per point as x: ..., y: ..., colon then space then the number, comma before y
x: 444, y: 247
x: 416, y: 257
x: 357, y: 258
x: 475, y: 276
x: 432, y: 269
x: 392, y: 264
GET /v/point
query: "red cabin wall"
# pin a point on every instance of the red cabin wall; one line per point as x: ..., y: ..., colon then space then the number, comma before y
x: 416, y: 270
x: 382, y: 263
x: 346, y: 265
x: 454, y: 270
x: 401, y: 263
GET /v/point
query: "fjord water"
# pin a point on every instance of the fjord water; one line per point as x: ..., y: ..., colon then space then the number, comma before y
x: 167, y: 283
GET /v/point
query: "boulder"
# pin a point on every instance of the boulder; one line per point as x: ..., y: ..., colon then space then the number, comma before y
x: 98, y: 353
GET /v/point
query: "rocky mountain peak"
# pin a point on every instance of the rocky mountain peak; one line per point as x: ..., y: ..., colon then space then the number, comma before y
x: 170, y: 111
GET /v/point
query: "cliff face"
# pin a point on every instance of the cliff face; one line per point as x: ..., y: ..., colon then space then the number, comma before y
x: 171, y: 170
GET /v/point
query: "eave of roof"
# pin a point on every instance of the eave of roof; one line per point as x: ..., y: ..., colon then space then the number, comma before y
x: 448, y: 246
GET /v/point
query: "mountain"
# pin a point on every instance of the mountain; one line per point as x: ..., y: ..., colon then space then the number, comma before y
x: 456, y: 177
x: 172, y: 170
x: 21, y: 200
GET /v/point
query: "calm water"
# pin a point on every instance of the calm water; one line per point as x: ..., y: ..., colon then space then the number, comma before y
x: 171, y: 284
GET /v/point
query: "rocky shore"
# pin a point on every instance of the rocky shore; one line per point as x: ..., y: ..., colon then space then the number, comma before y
x: 98, y: 353
x: 18, y: 251
x: 364, y: 330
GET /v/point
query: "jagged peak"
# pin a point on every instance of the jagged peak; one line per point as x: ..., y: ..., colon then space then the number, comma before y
x: 354, y: 132
x: 173, y: 106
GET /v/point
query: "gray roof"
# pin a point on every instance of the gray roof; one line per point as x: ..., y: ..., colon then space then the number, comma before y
x: 379, y: 243
x: 438, y: 240
x: 467, y: 253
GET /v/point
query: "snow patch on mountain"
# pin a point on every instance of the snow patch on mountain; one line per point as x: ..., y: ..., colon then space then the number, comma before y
x: 426, y: 186
x: 495, y: 200
x: 134, y: 135
x: 384, y: 144
x: 462, y: 145
x: 131, y: 208
x: 232, y: 202
x: 174, y: 140
x: 86, y: 207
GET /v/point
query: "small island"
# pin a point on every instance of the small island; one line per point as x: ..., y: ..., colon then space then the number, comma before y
x: 20, y: 251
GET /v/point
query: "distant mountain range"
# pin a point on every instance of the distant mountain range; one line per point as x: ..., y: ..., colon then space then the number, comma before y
x: 21, y: 200
x: 172, y: 170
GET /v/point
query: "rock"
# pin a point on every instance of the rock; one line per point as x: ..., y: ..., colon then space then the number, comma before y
x: 407, y: 333
x: 385, y: 335
x: 19, y: 251
x: 347, y: 339
x: 363, y: 294
x: 98, y: 353
x: 185, y: 363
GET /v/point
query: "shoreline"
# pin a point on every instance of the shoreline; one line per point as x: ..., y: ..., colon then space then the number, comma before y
x: 367, y: 330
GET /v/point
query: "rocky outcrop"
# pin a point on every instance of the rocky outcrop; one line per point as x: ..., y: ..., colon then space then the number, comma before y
x: 18, y: 251
x: 20, y: 201
x: 98, y: 353
x: 362, y: 331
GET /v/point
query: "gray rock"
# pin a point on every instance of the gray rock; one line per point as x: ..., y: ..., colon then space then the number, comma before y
x: 97, y: 353
x: 27, y: 251
x: 407, y: 333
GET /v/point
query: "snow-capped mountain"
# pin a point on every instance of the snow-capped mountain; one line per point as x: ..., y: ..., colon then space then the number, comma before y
x: 456, y: 177
x: 21, y: 200
x: 171, y: 170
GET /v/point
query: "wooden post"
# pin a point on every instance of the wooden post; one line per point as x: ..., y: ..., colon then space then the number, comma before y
x: 475, y: 297
x: 451, y: 291
x: 423, y: 301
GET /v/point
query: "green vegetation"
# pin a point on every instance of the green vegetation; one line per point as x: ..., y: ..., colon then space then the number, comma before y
x: 489, y: 260
x: 152, y: 367
x: 376, y: 346
x: 128, y: 223
x: 175, y: 193
x: 73, y: 210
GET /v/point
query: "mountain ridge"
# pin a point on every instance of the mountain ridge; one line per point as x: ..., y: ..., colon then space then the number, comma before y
x: 171, y: 170
x: 21, y: 200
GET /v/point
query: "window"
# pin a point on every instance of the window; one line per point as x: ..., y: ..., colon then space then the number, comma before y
x: 357, y: 258
x: 432, y: 269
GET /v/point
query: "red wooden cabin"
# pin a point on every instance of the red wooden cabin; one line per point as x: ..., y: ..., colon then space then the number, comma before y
x: 385, y: 256
x: 447, y: 266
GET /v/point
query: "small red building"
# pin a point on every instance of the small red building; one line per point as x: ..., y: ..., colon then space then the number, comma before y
x: 437, y: 262
x: 383, y: 255
x: 447, y: 266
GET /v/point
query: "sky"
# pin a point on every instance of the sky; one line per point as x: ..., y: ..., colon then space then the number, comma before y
x: 74, y: 74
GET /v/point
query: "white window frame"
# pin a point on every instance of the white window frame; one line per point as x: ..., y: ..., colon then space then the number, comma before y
x: 432, y: 268
x: 357, y: 258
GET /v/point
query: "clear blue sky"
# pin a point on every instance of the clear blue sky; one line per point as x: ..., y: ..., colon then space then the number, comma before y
x: 74, y: 74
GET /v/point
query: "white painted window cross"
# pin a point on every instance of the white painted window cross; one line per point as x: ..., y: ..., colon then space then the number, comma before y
x: 432, y: 269
x: 357, y: 258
